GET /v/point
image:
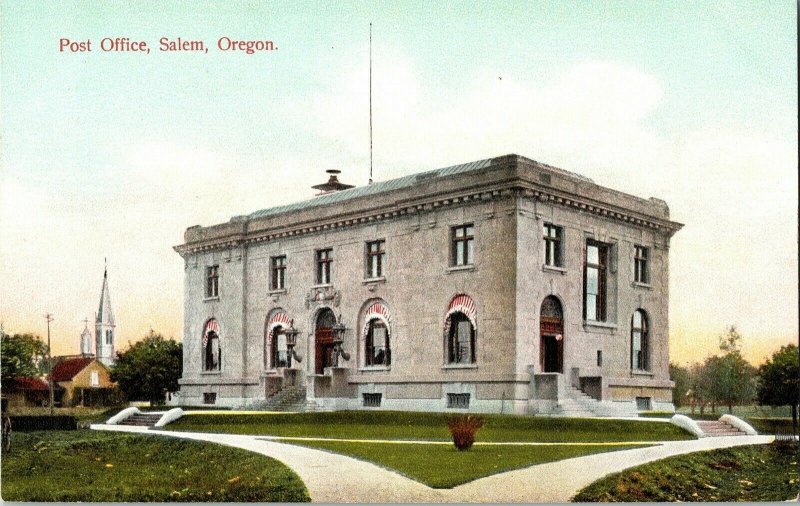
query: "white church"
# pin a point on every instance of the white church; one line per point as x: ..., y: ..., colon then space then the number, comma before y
x: 104, y: 329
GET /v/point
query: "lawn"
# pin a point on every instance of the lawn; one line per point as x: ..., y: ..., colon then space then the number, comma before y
x: 442, y: 466
x: 745, y: 473
x: 428, y: 426
x: 85, y: 465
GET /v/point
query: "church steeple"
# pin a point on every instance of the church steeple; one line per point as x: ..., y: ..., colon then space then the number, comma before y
x: 86, y: 339
x: 104, y: 326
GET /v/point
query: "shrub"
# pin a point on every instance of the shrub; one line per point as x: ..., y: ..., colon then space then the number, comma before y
x: 463, y: 429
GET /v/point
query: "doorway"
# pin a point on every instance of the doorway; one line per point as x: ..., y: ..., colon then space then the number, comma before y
x: 551, y: 330
x: 323, y: 340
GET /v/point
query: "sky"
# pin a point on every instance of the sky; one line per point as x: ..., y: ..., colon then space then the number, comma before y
x: 112, y: 155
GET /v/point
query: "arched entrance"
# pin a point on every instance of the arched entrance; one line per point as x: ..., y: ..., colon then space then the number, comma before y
x: 323, y: 340
x: 551, y: 330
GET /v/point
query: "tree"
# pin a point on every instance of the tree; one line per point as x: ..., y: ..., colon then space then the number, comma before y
x: 680, y: 375
x: 149, y: 369
x: 780, y: 380
x: 734, y: 378
x: 20, y: 355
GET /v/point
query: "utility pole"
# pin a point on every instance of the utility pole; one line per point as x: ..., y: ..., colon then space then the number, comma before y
x: 49, y: 318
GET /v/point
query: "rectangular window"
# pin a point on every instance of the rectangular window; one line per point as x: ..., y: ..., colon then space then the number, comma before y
x: 372, y: 400
x: 324, y: 261
x: 95, y: 379
x: 552, y: 245
x: 212, y: 281
x: 594, y: 281
x: 376, y: 255
x: 463, y: 238
x: 458, y: 401
x: 209, y: 398
x: 599, y: 358
x: 644, y: 404
x: 640, y: 272
x: 108, y: 337
x: 279, y: 272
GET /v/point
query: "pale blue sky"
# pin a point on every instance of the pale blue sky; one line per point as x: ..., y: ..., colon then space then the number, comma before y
x: 116, y: 154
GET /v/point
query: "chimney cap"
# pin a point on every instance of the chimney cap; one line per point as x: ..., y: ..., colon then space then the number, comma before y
x: 333, y: 184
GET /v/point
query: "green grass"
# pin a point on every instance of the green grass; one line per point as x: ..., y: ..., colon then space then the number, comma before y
x: 442, y: 466
x: 84, y: 465
x: 745, y: 473
x: 429, y: 427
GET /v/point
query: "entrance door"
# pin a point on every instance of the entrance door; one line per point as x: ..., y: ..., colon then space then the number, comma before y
x: 551, y: 330
x: 323, y: 340
x: 552, y: 354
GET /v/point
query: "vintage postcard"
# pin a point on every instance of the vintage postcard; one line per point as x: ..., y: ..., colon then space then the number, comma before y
x: 399, y: 252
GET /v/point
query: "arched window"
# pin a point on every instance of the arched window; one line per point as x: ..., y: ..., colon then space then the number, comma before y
x: 276, y: 351
x: 377, y: 329
x: 640, y: 334
x: 460, y: 330
x: 212, y: 354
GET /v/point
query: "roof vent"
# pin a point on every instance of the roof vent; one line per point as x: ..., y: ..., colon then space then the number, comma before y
x: 332, y: 185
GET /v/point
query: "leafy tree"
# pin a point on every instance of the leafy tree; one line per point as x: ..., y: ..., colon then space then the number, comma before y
x: 149, y: 369
x: 20, y: 355
x: 734, y: 378
x: 780, y: 380
x: 680, y: 375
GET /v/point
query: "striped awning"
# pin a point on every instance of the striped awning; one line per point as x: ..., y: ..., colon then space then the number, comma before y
x: 377, y: 311
x: 279, y: 319
x: 463, y: 304
x: 211, y: 326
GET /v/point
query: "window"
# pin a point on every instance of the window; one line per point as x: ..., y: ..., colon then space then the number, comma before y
x: 209, y: 398
x: 640, y: 272
x: 372, y: 400
x: 212, y: 354
x: 376, y: 255
x: 278, y: 272
x: 552, y: 245
x: 212, y: 281
x: 599, y: 358
x: 462, y: 238
x: 594, y: 282
x: 377, y: 350
x: 639, y: 341
x: 94, y: 379
x: 461, y: 342
x: 109, y: 336
x: 458, y: 401
x: 644, y: 403
x: 324, y: 261
x: 280, y: 351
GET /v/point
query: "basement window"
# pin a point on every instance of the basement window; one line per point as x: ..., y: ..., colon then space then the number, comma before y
x: 209, y: 398
x: 372, y: 400
x: 644, y: 403
x: 458, y: 401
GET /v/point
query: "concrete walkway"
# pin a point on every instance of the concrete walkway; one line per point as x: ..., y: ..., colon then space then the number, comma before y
x: 333, y: 478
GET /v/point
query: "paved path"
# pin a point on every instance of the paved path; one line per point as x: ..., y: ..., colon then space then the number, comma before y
x: 330, y: 477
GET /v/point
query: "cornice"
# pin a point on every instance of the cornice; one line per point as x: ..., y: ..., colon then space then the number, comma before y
x: 515, y: 188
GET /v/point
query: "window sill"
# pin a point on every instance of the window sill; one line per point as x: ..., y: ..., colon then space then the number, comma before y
x: 279, y: 291
x: 371, y: 368
x: 373, y: 281
x: 553, y: 268
x: 600, y: 325
x: 323, y: 285
x: 460, y: 268
x: 639, y: 372
x: 638, y: 284
x: 212, y: 373
x: 459, y: 366
x: 211, y: 299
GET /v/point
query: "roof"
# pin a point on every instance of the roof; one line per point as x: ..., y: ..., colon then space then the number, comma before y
x: 68, y: 368
x: 372, y: 189
x: 104, y: 313
x: 29, y: 383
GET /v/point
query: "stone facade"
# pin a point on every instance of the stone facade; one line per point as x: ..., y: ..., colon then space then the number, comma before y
x: 421, y: 293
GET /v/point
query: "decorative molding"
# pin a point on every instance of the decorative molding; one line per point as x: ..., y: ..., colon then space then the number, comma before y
x: 322, y: 295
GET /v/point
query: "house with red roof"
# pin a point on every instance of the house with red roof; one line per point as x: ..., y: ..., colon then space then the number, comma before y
x: 26, y: 391
x: 82, y: 380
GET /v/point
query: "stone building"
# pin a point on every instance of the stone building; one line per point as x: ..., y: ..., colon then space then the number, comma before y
x: 501, y: 285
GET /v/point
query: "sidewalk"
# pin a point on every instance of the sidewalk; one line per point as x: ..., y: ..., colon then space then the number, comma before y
x: 333, y: 478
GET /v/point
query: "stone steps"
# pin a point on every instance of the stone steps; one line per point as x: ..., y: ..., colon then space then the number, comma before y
x: 712, y: 428
x: 289, y: 398
x: 142, y: 419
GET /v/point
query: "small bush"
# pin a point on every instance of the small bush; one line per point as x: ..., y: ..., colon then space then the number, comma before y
x: 463, y: 429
